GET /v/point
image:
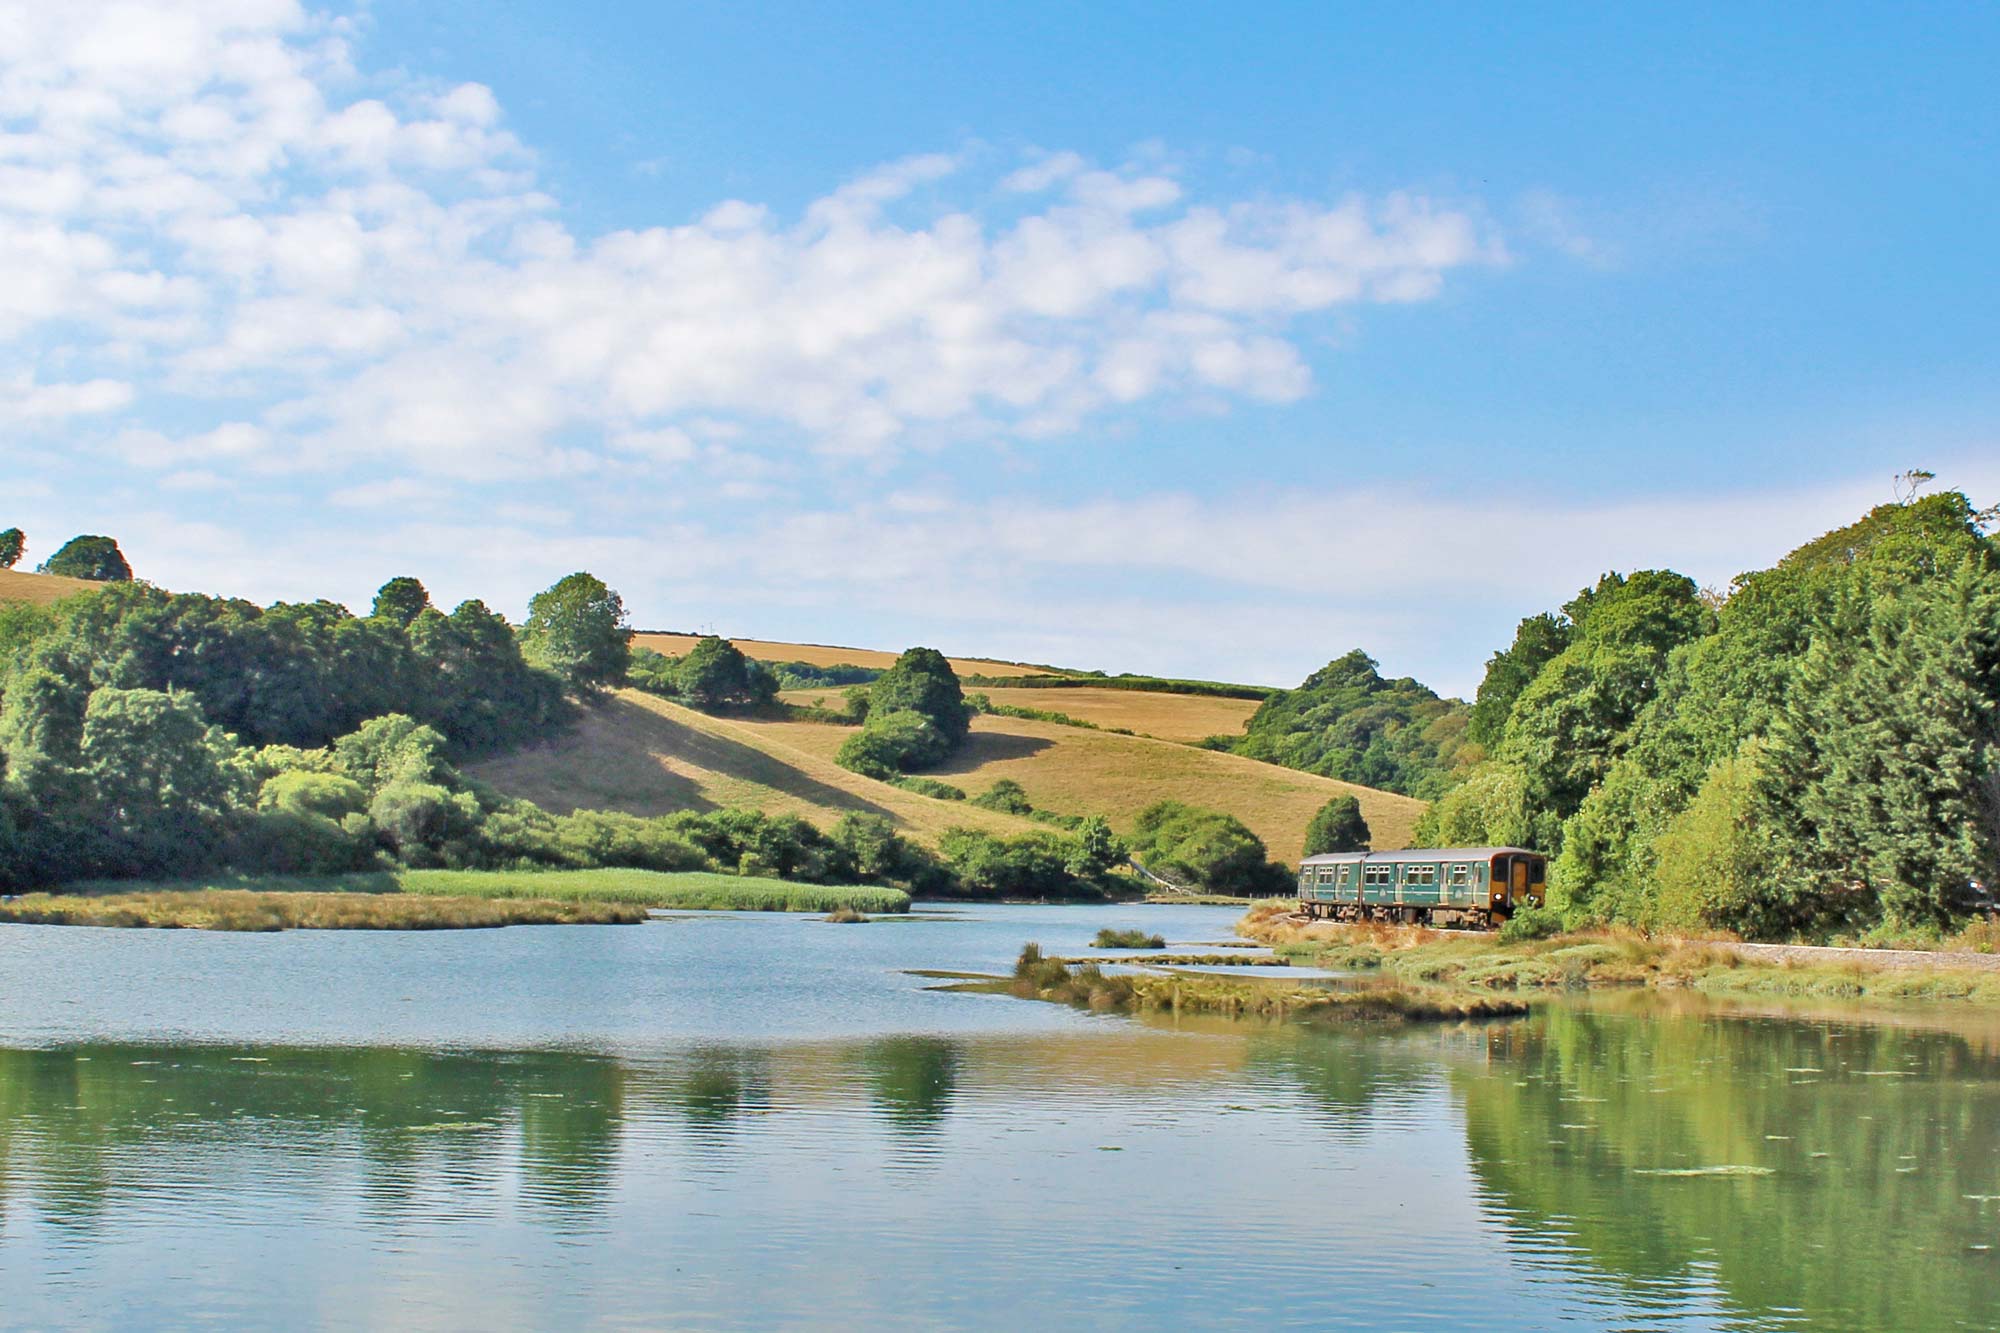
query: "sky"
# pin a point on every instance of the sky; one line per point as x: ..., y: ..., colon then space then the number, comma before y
x: 1192, y: 339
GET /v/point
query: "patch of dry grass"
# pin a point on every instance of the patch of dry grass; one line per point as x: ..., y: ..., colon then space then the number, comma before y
x: 40, y: 589
x: 822, y: 654
x: 1605, y: 958
x: 245, y: 910
x: 646, y: 756
x: 1167, y: 717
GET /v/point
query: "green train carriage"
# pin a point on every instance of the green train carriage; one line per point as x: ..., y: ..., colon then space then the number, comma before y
x: 1437, y: 886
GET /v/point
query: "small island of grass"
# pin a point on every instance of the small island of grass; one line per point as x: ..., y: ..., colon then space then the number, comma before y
x: 246, y: 910
x: 1127, y: 939
x: 1084, y: 985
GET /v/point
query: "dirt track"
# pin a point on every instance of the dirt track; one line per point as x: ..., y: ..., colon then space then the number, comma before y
x: 1883, y: 959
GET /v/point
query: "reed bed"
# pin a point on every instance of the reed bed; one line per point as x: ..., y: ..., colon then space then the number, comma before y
x: 246, y: 910
x: 1127, y: 939
x: 1041, y: 978
x: 1613, y: 957
x: 692, y: 891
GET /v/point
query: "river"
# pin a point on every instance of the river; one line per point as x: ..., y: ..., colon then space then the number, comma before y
x: 728, y: 1120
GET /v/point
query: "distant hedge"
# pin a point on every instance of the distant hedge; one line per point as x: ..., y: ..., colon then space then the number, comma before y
x: 1143, y: 684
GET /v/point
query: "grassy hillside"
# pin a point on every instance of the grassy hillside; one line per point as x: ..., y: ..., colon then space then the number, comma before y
x: 820, y: 654
x: 1167, y: 717
x: 39, y: 589
x: 645, y: 756
x: 1073, y: 771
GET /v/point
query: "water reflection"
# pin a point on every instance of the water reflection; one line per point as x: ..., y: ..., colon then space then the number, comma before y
x: 1826, y: 1173
x: 1604, y: 1165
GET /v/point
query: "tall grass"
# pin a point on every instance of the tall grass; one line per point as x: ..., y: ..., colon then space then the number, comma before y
x: 244, y: 910
x: 688, y: 891
x: 1127, y: 939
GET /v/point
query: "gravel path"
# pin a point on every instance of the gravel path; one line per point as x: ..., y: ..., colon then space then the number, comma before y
x: 1875, y: 958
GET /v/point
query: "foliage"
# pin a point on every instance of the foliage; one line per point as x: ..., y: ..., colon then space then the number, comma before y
x: 716, y: 674
x: 1531, y: 923
x: 12, y: 543
x: 1337, y: 827
x: 931, y: 787
x: 1205, y: 849
x: 1108, y: 938
x: 1537, y: 640
x: 1005, y: 795
x: 922, y: 682
x: 1345, y: 721
x: 1144, y: 684
x: 577, y: 630
x: 90, y: 557
x: 1488, y: 809
x: 401, y: 600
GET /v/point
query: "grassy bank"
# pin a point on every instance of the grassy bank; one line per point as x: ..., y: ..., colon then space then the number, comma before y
x: 1605, y: 959
x: 689, y: 892
x: 1084, y: 985
x: 241, y: 909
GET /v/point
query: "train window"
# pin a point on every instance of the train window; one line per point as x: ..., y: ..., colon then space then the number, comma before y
x: 1347, y: 874
x: 1461, y: 876
x: 1376, y: 875
x: 1420, y: 874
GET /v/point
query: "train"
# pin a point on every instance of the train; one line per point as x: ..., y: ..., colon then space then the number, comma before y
x: 1478, y: 887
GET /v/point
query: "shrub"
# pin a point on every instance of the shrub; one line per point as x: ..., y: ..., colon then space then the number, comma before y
x: 1127, y: 939
x: 1006, y: 796
x: 1531, y: 923
x: 942, y: 791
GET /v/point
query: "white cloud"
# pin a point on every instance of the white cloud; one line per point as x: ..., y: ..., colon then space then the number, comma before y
x: 204, y: 201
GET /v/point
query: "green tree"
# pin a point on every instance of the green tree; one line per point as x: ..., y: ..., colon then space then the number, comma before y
x: 577, y: 629
x: 716, y: 674
x: 1536, y: 641
x: 95, y: 558
x: 1005, y: 795
x: 401, y: 600
x: 1095, y: 851
x: 896, y: 742
x: 12, y: 543
x: 161, y: 781
x: 1338, y: 827
x: 922, y: 681
x: 1346, y: 721
x: 1206, y: 848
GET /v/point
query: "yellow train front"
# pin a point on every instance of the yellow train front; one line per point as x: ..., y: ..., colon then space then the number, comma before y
x: 1438, y: 886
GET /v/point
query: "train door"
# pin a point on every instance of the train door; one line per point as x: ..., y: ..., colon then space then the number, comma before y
x: 1518, y: 885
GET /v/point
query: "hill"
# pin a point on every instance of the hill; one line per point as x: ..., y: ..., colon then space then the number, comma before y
x: 644, y: 755
x: 823, y: 654
x: 39, y: 589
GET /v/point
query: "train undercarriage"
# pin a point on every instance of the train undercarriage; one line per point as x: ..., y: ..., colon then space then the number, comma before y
x: 1453, y: 916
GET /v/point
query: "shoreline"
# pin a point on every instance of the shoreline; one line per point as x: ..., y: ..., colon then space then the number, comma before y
x: 1610, y: 959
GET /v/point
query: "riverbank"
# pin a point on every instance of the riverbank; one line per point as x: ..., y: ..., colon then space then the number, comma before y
x: 245, y: 910
x: 690, y: 891
x: 1416, y: 955
x: 1085, y: 985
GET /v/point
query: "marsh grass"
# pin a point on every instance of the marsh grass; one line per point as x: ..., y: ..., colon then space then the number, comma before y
x: 1039, y: 977
x: 244, y: 910
x: 1127, y: 939
x: 688, y: 891
x: 846, y: 916
x: 1602, y: 958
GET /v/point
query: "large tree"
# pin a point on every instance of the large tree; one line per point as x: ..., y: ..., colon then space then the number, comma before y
x: 1338, y: 827
x: 922, y: 681
x: 577, y: 629
x: 12, y: 542
x: 90, y: 557
x: 402, y: 599
x: 716, y: 674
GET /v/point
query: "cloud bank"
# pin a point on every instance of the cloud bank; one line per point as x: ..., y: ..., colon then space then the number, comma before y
x: 224, y: 245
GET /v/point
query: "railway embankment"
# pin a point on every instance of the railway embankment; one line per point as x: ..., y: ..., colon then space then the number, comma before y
x: 1613, y: 958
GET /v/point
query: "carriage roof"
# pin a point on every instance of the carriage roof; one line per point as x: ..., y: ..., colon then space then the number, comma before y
x: 1417, y: 854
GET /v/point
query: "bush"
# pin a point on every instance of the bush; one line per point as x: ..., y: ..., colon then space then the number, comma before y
x: 1005, y: 795
x: 1127, y: 939
x: 1531, y: 923
x: 892, y: 743
x: 942, y: 791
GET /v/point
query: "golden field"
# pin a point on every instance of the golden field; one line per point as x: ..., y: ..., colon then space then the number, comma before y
x: 820, y: 654
x: 39, y: 589
x: 1169, y: 717
x: 643, y: 755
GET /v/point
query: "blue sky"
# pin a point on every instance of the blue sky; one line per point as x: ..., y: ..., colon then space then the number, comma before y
x: 1188, y: 339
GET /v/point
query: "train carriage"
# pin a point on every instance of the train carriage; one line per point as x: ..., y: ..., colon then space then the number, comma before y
x: 1438, y: 886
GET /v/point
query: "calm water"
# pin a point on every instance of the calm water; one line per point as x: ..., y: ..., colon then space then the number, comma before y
x: 721, y: 1121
